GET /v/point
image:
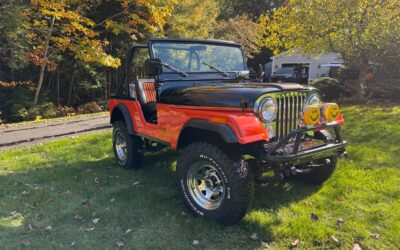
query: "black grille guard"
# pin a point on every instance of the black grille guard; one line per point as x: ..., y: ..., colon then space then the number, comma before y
x: 296, y: 157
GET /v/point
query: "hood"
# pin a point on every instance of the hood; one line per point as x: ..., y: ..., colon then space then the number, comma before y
x: 229, y: 95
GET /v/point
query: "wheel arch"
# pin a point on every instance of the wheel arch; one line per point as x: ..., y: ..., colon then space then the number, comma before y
x: 121, y: 112
x: 198, y: 129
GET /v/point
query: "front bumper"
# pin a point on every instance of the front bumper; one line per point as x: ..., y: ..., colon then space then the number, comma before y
x: 334, y: 147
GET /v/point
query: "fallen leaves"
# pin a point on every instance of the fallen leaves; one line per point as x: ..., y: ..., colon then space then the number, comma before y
x: 254, y: 236
x: 295, y: 242
x: 78, y: 218
x: 356, y: 246
x: 339, y: 222
x: 263, y: 244
x: 25, y: 242
x: 375, y: 236
x: 25, y: 193
x: 314, y: 217
x: 333, y: 239
x: 86, y: 204
x: 120, y: 243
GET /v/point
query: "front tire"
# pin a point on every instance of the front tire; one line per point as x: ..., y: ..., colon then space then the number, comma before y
x: 213, y: 184
x: 126, y: 147
x: 320, y: 174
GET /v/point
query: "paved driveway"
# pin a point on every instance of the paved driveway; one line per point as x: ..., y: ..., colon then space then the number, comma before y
x: 29, y: 134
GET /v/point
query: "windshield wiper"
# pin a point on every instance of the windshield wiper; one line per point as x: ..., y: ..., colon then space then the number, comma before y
x: 184, y: 74
x: 216, y: 69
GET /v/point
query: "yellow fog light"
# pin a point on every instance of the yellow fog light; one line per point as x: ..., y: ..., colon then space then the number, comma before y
x: 331, y: 111
x: 311, y: 115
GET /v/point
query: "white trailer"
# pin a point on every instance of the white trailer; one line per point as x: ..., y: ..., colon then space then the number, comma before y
x: 315, y: 65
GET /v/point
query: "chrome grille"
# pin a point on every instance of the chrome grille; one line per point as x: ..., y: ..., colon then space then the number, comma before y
x: 290, y: 105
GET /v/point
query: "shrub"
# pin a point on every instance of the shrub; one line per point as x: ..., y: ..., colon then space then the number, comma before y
x: 91, y: 107
x: 330, y: 88
x: 17, y: 113
x: 65, y: 111
x: 48, y: 110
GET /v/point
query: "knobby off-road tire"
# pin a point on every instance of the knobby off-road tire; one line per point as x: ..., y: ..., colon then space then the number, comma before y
x: 320, y: 174
x: 213, y: 184
x: 126, y: 147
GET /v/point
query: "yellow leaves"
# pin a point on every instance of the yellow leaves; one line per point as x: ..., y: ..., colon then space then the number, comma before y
x: 61, y: 42
x: 115, y: 27
x: 90, y: 51
x: 72, y: 34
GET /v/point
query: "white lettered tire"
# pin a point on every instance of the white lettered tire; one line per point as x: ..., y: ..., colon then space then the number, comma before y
x: 213, y: 184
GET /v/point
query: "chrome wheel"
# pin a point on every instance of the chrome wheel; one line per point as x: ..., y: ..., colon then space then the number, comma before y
x: 120, y: 146
x: 206, y: 185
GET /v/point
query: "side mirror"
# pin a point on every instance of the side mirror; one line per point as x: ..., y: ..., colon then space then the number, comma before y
x: 153, y: 67
x: 244, y: 74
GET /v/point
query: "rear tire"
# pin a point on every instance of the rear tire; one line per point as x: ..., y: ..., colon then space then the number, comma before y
x: 126, y: 147
x: 213, y: 184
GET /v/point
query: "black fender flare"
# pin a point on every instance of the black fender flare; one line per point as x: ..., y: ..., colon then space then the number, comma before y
x: 223, y: 130
x: 126, y: 115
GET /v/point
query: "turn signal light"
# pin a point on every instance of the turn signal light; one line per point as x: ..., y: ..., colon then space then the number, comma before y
x: 311, y: 115
x: 330, y: 111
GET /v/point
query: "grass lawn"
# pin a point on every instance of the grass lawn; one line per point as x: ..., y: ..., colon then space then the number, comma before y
x: 50, y: 195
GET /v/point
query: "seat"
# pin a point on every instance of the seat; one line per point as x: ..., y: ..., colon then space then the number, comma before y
x: 146, y: 95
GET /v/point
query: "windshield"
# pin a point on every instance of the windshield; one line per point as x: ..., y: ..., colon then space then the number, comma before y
x: 199, y: 57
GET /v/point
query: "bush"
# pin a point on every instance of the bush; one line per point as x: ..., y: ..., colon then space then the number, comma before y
x: 65, y: 111
x: 330, y: 88
x: 88, y: 108
x: 17, y: 113
x: 48, y: 110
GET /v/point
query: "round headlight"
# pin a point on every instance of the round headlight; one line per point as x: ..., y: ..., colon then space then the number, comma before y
x: 267, y: 109
x: 314, y: 99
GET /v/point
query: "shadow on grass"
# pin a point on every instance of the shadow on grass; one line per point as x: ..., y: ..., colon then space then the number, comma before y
x: 145, y: 200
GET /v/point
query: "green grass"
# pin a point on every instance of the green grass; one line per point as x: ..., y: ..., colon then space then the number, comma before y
x: 46, y: 185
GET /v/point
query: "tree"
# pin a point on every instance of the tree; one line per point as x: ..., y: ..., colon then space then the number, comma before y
x: 241, y: 30
x: 13, y: 42
x: 360, y: 30
x: 192, y: 19
x: 252, y: 8
x: 125, y: 22
x: 56, y: 29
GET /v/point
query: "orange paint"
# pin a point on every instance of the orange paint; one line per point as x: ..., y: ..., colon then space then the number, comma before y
x: 171, y: 119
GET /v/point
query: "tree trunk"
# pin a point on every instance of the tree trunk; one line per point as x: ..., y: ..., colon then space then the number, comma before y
x: 58, y: 88
x: 362, y: 77
x: 43, y: 66
x: 71, y: 85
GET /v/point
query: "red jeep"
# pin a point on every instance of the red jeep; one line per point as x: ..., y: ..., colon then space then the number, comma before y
x: 195, y: 96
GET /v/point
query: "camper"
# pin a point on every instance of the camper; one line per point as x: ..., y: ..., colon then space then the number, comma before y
x: 304, y: 69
